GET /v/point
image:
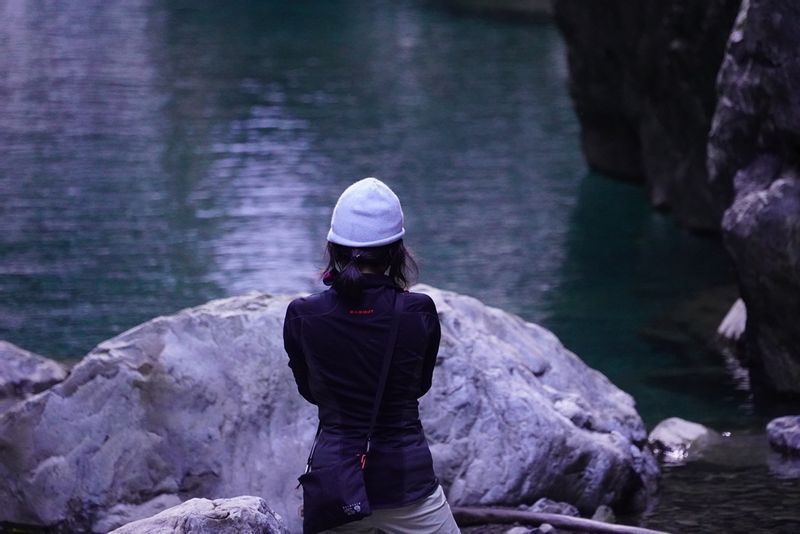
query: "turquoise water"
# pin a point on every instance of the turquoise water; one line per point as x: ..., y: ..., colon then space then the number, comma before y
x: 157, y: 154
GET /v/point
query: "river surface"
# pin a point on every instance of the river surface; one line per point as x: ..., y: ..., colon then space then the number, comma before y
x: 156, y: 154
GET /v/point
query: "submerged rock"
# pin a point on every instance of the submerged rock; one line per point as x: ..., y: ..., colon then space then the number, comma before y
x: 239, y: 515
x: 784, y: 434
x: 676, y: 440
x: 203, y: 404
x: 754, y: 163
x: 23, y: 373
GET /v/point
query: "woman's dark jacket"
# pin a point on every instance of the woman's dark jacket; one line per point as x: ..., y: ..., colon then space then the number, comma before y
x: 336, y: 350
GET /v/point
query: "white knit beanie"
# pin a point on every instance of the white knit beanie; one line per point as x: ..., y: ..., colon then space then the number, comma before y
x: 368, y: 214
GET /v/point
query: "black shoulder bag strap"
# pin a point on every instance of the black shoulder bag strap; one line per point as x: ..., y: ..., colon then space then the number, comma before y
x: 387, y: 363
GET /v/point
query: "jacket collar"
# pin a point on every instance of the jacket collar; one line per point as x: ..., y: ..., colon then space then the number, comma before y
x: 376, y: 280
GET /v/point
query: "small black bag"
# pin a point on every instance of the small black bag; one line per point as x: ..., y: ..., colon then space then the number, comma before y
x: 336, y: 494
x: 333, y: 496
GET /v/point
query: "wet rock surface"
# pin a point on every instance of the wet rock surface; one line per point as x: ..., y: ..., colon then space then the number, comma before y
x: 202, y: 404
x: 238, y: 515
x: 754, y: 164
x: 677, y: 440
x: 642, y: 77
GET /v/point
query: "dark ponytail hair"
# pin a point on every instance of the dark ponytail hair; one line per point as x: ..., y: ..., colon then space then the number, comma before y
x: 344, y: 274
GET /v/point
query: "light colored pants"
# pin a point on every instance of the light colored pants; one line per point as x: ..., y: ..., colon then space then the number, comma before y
x: 430, y: 515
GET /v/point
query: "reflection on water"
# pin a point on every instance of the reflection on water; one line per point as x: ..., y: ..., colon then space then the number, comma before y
x: 162, y: 154
x: 95, y: 235
x: 258, y: 181
x: 632, y: 285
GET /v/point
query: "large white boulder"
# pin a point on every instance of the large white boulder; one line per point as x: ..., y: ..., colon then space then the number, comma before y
x: 514, y: 416
x: 202, y: 404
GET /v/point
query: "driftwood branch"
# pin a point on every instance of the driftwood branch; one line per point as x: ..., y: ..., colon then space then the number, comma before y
x: 466, y: 516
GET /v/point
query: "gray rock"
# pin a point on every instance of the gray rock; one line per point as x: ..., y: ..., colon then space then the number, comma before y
x: 239, y: 515
x: 202, y: 404
x: 784, y: 434
x: 605, y: 514
x: 549, y: 506
x: 676, y: 440
x: 762, y: 233
x: 642, y: 78
x: 23, y: 373
x: 753, y: 162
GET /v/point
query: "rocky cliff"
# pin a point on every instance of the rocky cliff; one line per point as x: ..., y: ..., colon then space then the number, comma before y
x: 708, y: 115
x: 642, y: 78
x: 202, y: 404
x: 754, y: 165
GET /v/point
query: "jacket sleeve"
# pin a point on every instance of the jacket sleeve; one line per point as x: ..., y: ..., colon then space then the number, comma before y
x: 432, y: 349
x: 293, y: 347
